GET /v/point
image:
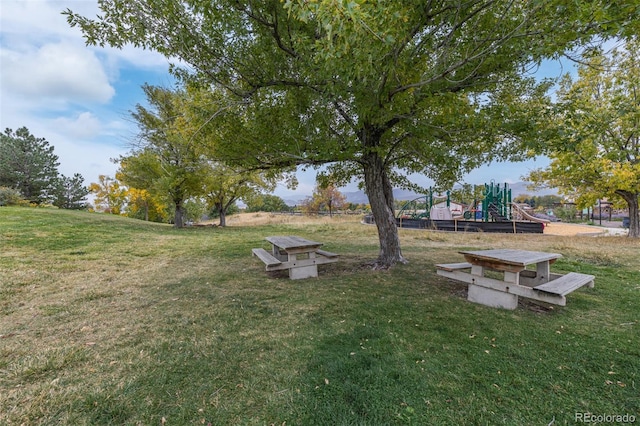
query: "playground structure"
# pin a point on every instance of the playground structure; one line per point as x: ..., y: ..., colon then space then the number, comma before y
x: 494, y: 212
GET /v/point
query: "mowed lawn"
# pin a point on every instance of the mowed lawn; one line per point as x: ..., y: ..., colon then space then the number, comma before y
x: 107, y: 320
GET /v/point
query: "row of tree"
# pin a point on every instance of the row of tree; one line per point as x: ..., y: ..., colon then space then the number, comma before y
x: 146, y: 187
x: 374, y: 90
x: 29, y: 173
x: 113, y: 197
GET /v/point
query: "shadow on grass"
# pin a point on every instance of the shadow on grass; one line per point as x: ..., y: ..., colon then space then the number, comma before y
x: 354, y: 378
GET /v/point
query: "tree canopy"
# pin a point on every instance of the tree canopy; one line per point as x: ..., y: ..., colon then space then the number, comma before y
x: 141, y: 204
x: 167, y: 160
x: 29, y: 166
x: 373, y: 89
x: 596, y: 151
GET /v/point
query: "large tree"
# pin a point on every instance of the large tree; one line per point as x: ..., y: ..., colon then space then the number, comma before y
x: 167, y: 161
x: 373, y: 88
x: 596, y: 149
x: 28, y: 165
x: 176, y: 158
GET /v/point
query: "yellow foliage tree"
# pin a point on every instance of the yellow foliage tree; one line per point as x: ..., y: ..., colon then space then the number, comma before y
x: 326, y: 198
x: 110, y: 195
x: 143, y: 205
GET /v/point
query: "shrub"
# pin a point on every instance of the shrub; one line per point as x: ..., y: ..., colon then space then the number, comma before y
x: 566, y: 213
x: 9, y: 196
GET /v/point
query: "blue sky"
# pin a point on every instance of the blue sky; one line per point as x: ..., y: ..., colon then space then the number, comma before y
x: 79, y: 97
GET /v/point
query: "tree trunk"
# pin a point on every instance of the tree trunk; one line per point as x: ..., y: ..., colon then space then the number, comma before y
x: 178, y: 221
x: 634, y: 212
x: 222, y: 211
x: 380, y: 193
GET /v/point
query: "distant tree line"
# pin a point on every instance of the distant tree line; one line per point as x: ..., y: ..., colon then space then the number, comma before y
x: 29, y: 174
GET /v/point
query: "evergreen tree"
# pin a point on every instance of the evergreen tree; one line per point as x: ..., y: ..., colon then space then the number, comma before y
x: 28, y: 165
x: 70, y: 193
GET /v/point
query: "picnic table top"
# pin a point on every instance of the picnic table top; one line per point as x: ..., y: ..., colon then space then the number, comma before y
x: 291, y: 242
x: 509, y: 256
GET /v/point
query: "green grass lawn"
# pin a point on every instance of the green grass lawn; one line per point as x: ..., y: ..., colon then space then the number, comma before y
x: 106, y: 320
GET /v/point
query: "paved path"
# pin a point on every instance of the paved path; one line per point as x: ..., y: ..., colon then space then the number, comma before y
x: 610, y: 228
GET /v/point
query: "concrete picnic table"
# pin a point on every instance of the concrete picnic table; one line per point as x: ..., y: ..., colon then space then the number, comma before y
x: 539, y: 284
x: 296, y: 254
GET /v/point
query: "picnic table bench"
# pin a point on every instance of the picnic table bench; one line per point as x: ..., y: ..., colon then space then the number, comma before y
x: 298, y: 255
x: 539, y: 284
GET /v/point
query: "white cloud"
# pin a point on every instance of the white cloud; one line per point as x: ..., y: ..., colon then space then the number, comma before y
x: 139, y: 58
x: 84, y: 126
x: 90, y: 159
x: 31, y: 21
x: 43, y: 57
x: 59, y: 71
x: 64, y: 91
